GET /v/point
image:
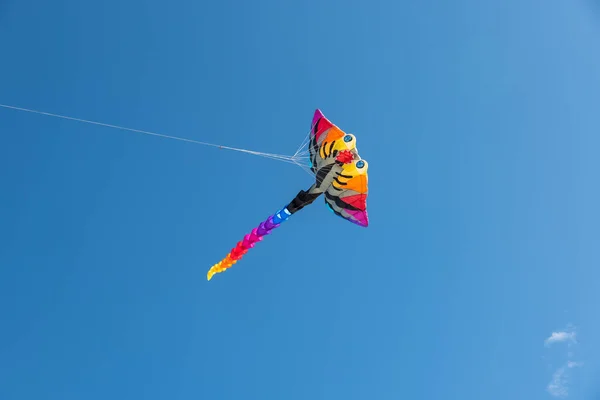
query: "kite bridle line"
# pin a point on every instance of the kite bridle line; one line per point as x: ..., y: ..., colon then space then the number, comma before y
x: 298, y: 158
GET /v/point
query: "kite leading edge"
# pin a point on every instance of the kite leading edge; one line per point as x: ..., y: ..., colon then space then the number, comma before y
x: 340, y: 175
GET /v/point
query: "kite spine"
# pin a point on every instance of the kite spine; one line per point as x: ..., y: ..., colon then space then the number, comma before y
x: 256, y: 235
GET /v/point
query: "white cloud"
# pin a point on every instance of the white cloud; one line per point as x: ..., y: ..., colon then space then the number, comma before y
x: 561, y: 336
x: 558, y: 386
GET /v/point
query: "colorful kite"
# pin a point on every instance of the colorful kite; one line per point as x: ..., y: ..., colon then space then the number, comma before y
x: 340, y: 175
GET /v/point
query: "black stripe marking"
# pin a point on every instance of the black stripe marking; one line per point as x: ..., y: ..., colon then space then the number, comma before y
x: 331, y: 147
x: 340, y: 203
x: 322, y: 173
x: 340, y: 183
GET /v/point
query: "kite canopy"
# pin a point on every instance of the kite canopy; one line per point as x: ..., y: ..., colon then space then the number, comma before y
x: 340, y: 175
x: 347, y: 194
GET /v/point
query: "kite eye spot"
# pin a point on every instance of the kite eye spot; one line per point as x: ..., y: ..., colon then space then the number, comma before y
x: 360, y: 164
x: 348, y: 138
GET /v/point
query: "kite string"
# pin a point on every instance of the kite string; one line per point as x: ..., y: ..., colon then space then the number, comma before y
x: 290, y: 159
x: 304, y: 143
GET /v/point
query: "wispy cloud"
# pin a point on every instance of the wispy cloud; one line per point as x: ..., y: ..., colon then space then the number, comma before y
x: 559, y: 385
x: 561, y: 336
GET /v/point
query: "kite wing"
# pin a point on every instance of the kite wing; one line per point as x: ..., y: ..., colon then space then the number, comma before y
x: 325, y: 141
x: 347, y: 195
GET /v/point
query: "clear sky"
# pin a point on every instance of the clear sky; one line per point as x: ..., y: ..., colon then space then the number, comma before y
x: 480, y: 123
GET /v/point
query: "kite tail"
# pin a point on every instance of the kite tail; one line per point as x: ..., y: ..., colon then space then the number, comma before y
x: 301, y: 200
x: 256, y: 235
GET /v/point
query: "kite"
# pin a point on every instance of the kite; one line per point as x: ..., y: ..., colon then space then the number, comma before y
x: 340, y: 176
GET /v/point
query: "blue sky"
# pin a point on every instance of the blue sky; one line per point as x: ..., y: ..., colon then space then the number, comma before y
x: 480, y: 124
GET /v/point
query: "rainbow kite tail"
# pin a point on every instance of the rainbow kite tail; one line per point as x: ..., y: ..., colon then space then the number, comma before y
x: 242, y: 247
